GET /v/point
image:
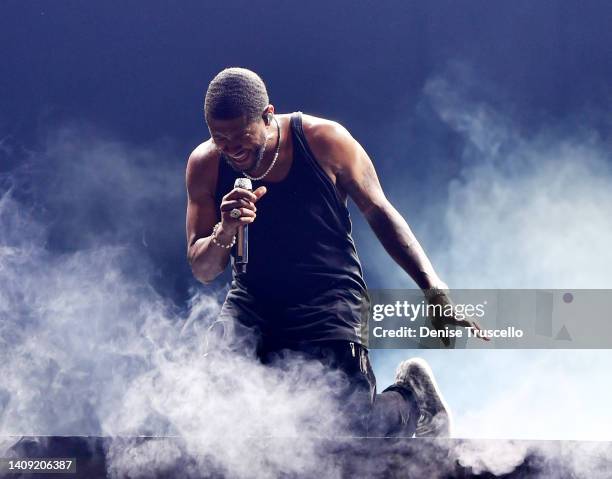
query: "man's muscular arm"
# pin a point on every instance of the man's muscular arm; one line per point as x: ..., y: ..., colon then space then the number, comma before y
x: 348, y: 163
x: 206, y: 258
x: 355, y: 174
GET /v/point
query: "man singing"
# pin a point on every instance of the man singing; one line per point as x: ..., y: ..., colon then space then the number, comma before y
x: 303, y: 290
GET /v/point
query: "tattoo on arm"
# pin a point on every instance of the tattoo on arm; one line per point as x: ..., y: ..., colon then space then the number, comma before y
x: 390, y: 227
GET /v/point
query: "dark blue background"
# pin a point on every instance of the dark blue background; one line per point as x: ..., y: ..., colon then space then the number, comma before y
x: 137, y: 72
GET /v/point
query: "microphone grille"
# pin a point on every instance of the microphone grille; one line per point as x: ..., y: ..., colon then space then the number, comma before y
x: 243, y: 183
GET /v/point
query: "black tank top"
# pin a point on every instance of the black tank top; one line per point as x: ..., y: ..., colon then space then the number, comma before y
x: 300, y: 244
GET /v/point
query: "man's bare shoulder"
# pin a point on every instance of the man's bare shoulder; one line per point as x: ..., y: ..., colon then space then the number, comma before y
x: 330, y: 142
x: 202, y: 166
x: 322, y: 130
x: 203, y: 155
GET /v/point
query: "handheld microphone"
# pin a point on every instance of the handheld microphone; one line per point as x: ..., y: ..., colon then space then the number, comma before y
x: 242, y: 243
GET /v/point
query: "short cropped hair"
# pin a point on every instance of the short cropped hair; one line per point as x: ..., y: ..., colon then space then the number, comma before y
x: 235, y: 92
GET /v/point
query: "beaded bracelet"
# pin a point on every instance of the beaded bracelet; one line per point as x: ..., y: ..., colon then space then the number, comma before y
x: 215, y: 241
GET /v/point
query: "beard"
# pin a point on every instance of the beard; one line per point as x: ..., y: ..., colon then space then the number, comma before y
x: 257, y: 153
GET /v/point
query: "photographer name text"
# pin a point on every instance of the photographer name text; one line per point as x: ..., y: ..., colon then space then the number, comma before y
x: 410, y: 311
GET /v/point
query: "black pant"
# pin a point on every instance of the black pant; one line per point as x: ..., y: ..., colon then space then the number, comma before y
x: 393, y: 413
x: 248, y: 327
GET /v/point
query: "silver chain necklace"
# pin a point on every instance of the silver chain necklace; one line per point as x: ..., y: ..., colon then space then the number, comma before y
x: 255, y: 178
